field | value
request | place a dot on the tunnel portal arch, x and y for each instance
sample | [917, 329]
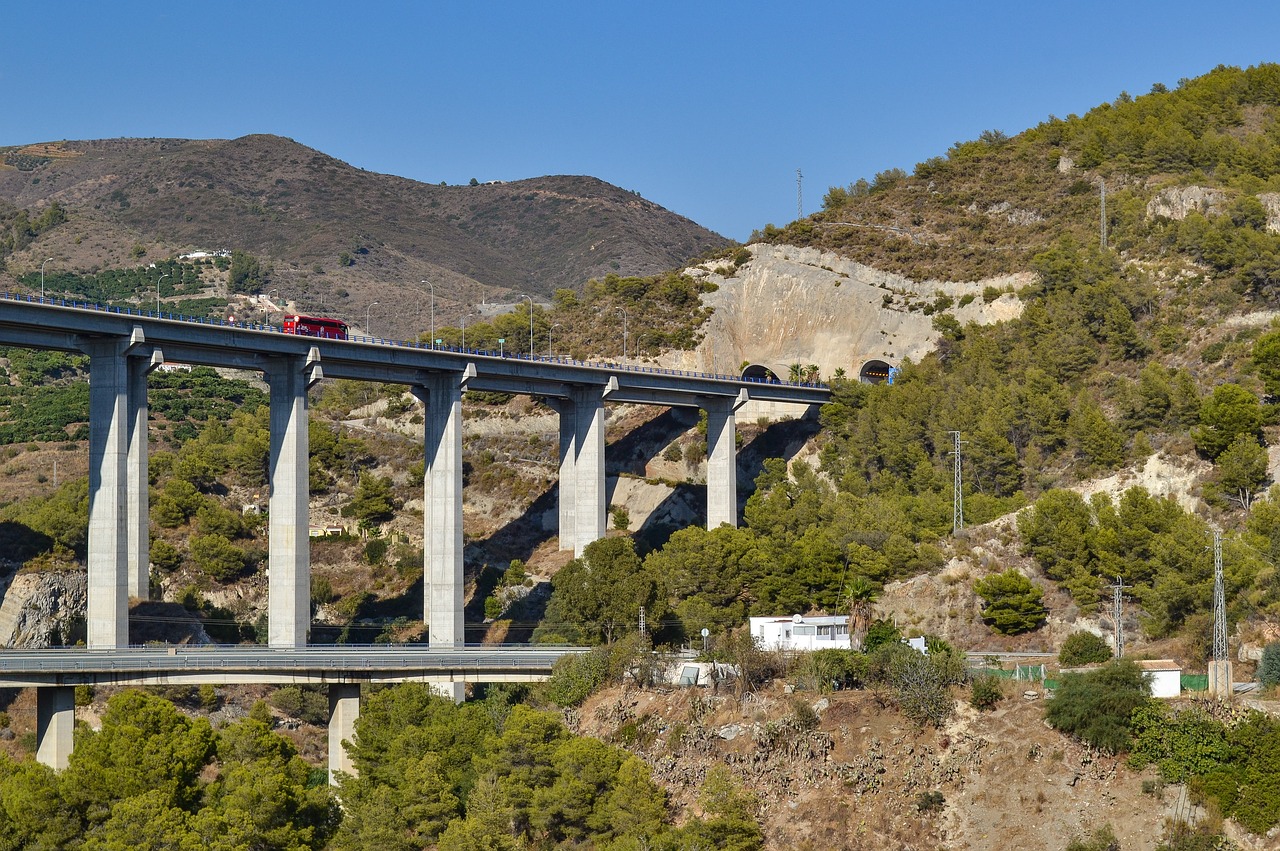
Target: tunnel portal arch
[760, 372]
[877, 372]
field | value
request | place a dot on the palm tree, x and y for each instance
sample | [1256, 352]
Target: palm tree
[794, 372]
[863, 594]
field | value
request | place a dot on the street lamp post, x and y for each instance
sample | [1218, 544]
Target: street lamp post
[366, 317]
[623, 311]
[550, 352]
[433, 311]
[523, 295]
[48, 260]
[158, 280]
[465, 317]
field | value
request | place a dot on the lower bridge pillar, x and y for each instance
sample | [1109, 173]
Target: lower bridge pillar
[344, 709]
[55, 725]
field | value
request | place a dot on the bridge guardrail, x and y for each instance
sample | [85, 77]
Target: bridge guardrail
[254, 326]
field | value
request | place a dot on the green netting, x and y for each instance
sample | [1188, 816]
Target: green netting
[1021, 672]
[1195, 682]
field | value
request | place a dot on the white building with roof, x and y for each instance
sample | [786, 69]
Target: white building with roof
[801, 632]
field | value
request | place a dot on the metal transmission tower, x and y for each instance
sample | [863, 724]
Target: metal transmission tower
[957, 501]
[1219, 602]
[1117, 614]
[799, 195]
[1220, 683]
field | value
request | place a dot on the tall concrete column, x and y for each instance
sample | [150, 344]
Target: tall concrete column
[55, 724]
[108, 563]
[589, 491]
[344, 709]
[441, 393]
[289, 548]
[566, 492]
[722, 465]
[139, 510]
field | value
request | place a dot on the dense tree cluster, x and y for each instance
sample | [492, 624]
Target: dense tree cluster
[1236, 764]
[151, 773]
[491, 775]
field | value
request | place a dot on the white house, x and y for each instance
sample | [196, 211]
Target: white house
[818, 632]
[1164, 675]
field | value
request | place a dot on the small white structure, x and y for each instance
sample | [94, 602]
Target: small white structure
[819, 632]
[1164, 676]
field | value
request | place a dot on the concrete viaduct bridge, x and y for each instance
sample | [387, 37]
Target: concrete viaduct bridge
[125, 344]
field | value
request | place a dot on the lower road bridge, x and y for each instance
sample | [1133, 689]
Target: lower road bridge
[55, 673]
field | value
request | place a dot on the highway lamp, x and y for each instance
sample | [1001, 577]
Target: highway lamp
[550, 353]
[158, 280]
[47, 260]
[433, 308]
[522, 295]
[367, 308]
[465, 317]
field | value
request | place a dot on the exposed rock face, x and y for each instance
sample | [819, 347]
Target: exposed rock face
[43, 609]
[1177, 201]
[1271, 201]
[802, 305]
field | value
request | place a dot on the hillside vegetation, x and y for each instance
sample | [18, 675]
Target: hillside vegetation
[1158, 343]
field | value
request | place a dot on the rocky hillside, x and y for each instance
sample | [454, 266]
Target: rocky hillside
[336, 236]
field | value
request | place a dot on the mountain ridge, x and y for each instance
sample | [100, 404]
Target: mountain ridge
[329, 228]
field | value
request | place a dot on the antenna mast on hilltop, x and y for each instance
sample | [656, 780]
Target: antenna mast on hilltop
[799, 195]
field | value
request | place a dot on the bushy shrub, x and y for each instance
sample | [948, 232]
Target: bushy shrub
[986, 691]
[1095, 706]
[1269, 668]
[1083, 648]
[575, 677]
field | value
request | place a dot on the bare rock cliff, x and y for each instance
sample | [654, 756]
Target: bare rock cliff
[801, 305]
[43, 609]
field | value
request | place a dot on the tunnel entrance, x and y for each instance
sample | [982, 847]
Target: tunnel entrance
[756, 372]
[877, 372]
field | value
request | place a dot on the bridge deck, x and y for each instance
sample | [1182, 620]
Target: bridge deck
[222, 665]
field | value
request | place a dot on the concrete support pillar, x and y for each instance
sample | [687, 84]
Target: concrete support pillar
[289, 549]
[441, 393]
[1220, 685]
[344, 709]
[722, 465]
[55, 724]
[590, 496]
[108, 563]
[139, 509]
[566, 493]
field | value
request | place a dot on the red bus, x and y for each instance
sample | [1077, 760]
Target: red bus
[316, 326]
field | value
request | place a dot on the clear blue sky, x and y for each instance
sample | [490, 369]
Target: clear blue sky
[705, 108]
